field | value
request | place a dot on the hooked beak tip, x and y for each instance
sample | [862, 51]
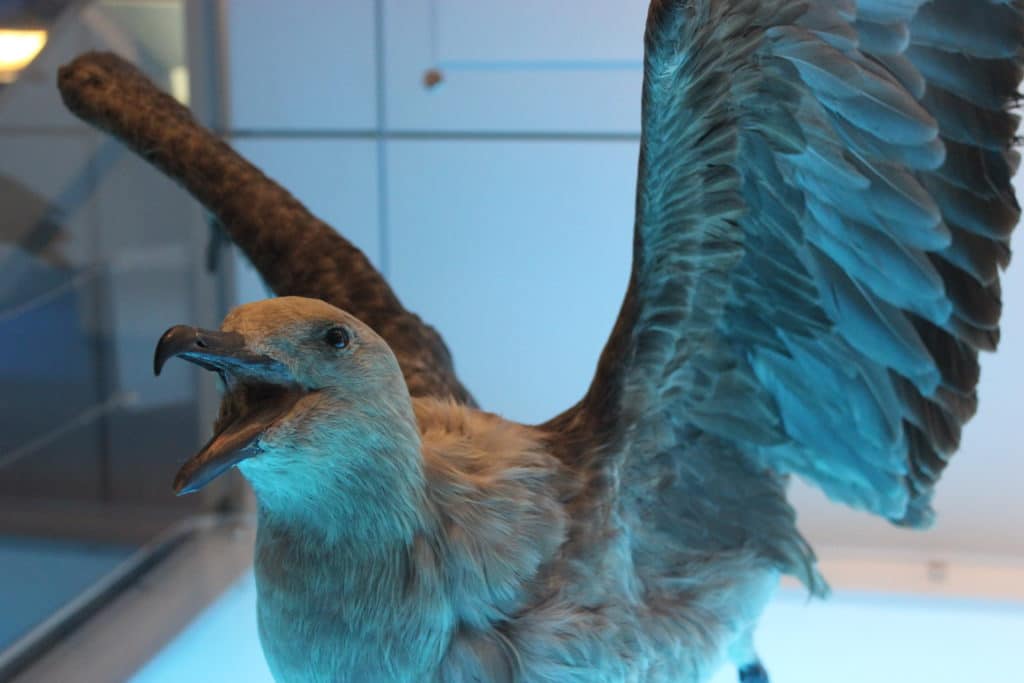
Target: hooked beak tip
[173, 342]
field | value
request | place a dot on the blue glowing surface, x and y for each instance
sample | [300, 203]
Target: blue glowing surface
[852, 638]
[220, 645]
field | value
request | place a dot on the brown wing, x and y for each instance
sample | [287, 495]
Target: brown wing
[824, 204]
[295, 252]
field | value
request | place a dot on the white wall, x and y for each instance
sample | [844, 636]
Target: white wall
[500, 204]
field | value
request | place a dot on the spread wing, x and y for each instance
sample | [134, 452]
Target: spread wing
[295, 252]
[824, 206]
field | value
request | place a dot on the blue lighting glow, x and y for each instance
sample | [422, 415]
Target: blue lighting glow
[220, 645]
[851, 638]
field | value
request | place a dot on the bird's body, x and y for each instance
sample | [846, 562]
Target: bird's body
[412, 539]
[823, 209]
[506, 575]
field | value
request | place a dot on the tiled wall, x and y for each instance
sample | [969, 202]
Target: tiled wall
[500, 203]
[501, 212]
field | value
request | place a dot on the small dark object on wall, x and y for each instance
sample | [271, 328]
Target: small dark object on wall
[432, 78]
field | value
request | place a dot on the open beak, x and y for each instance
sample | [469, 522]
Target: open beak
[223, 352]
[272, 397]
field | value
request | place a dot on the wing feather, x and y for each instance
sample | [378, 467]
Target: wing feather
[295, 252]
[823, 209]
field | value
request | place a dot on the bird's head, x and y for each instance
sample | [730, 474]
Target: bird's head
[309, 390]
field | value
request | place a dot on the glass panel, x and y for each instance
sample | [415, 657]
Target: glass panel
[97, 258]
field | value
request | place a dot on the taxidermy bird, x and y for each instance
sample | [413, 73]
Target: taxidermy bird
[824, 205]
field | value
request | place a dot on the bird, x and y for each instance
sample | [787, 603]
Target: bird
[823, 211]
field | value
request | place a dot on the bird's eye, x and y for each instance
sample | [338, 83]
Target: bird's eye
[337, 337]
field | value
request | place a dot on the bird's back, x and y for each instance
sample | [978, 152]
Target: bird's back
[570, 572]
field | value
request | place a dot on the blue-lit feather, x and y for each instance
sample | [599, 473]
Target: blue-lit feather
[847, 272]
[883, 39]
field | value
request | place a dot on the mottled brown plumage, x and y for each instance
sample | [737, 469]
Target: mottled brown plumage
[823, 209]
[296, 253]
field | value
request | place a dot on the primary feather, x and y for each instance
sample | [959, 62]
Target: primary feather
[823, 209]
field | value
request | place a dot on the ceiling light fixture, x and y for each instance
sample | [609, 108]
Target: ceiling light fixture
[18, 47]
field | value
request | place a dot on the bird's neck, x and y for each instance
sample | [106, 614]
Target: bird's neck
[391, 514]
[359, 481]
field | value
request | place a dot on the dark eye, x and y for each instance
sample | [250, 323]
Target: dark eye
[337, 337]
